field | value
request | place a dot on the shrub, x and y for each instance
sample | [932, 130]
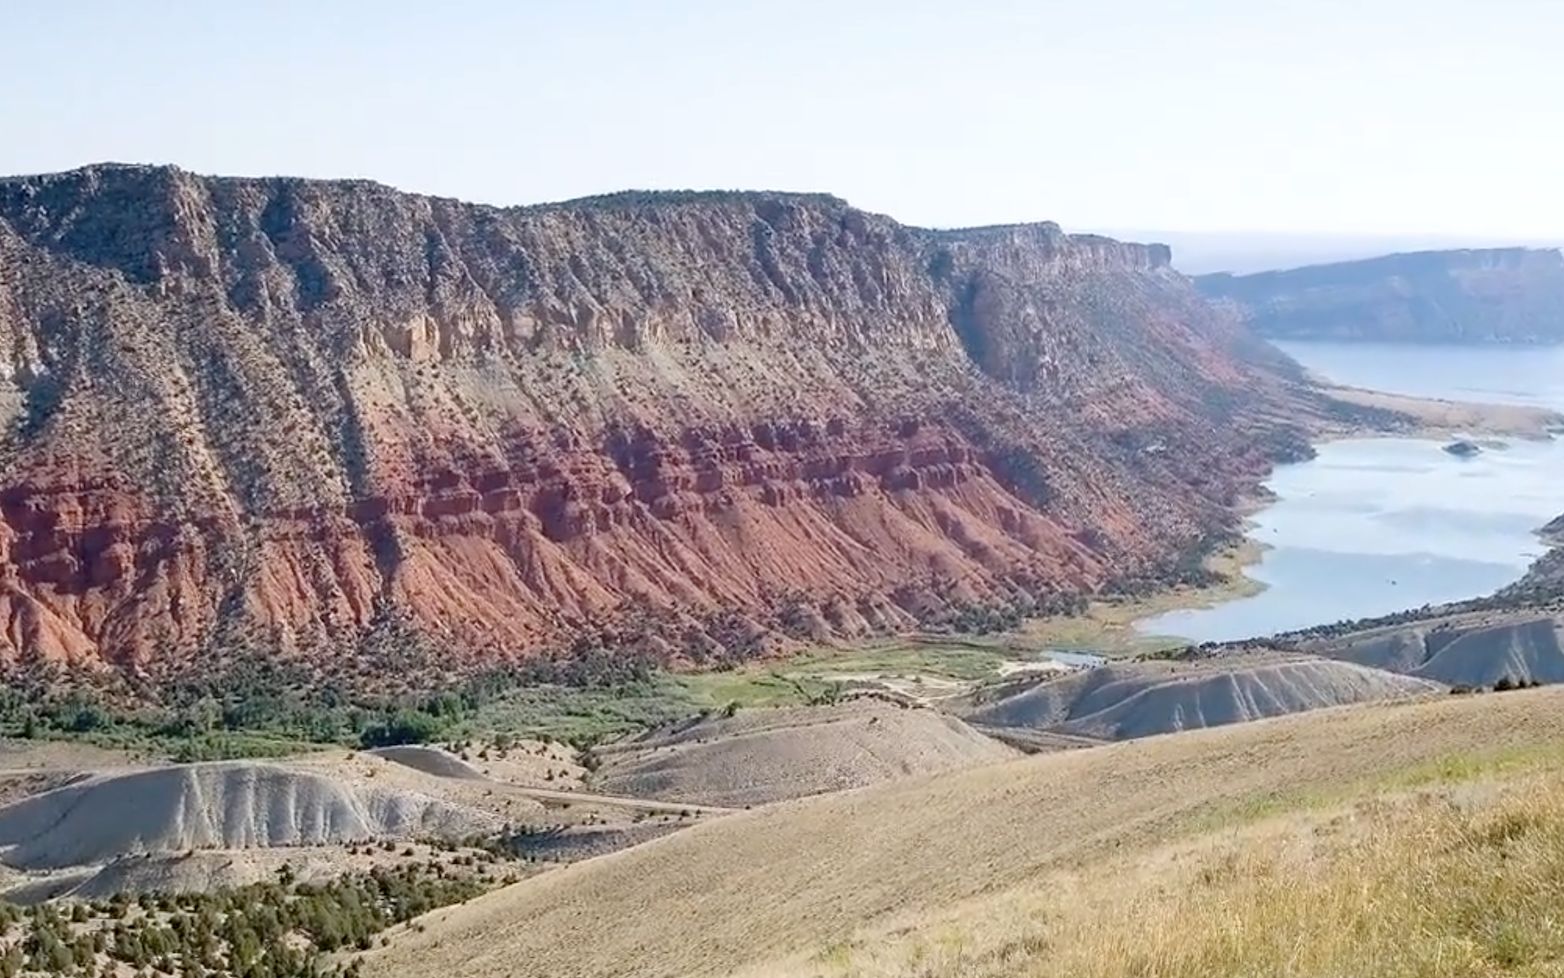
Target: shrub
[403, 727]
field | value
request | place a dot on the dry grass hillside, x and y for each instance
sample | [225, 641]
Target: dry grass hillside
[759, 756]
[802, 881]
[1451, 880]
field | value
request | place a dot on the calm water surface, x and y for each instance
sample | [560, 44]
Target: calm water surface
[1377, 525]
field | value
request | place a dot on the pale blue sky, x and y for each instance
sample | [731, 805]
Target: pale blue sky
[1374, 116]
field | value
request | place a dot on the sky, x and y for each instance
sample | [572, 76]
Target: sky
[1375, 117]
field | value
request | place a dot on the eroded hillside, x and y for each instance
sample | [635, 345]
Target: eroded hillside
[274, 413]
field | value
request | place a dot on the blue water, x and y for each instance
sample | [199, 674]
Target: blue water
[1076, 658]
[1377, 525]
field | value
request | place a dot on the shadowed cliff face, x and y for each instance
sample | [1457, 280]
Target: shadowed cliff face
[275, 412]
[1499, 294]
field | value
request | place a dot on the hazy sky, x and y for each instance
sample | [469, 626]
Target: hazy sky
[1374, 116]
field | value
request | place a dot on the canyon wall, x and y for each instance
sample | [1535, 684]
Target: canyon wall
[279, 414]
[1513, 295]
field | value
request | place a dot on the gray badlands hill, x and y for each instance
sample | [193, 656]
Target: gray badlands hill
[1138, 699]
[230, 805]
[1495, 294]
[243, 414]
[764, 755]
[431, 761]
[1468, 651]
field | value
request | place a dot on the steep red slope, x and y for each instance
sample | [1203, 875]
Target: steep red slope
[277, 412]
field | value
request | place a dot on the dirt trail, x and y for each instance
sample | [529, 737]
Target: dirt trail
[547, 796]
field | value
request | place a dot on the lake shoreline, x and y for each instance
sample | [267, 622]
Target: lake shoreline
[1110, 625]
[1438, 419]
[1402, 516]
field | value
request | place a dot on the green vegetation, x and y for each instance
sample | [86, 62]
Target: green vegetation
[76, 712]
[583, 715]
[260, 709]
[266, 930]
[952, 658]
[592, 714]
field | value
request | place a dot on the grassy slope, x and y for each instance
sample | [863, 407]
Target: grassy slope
[802, 878]
[1460, 879]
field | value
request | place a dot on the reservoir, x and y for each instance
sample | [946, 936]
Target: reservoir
[1376, 525]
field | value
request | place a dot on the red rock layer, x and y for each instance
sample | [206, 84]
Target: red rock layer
[285, 410]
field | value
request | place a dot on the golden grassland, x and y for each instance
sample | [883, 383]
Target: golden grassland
[1197, 851]
[1458, 879]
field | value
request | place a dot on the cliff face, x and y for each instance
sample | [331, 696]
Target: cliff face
[277, 412]
[1493, 295]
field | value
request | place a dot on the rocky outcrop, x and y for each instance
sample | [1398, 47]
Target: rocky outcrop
[1511, 295]
[279, 413]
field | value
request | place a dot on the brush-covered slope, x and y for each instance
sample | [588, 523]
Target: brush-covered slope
[230, 805]
[1497, 294]
[275, 412]
[759, 756]
[1138, 699]
[803, 877]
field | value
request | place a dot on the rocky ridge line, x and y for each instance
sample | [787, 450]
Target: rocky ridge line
[277, 414]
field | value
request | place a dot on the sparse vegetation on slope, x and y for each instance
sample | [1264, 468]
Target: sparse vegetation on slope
[1454, 880]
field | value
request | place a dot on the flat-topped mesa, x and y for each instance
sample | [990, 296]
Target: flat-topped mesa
[1484, 295]
[1047, 239]
[276, 412]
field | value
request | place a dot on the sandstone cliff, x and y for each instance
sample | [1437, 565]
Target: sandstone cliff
[1491, 295]
[277, 414]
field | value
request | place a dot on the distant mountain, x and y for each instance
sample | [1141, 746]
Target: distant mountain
[1506, 295]
[1247, 252]
[288, 414]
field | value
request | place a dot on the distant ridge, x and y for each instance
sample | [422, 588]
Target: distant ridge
[1500, 295]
